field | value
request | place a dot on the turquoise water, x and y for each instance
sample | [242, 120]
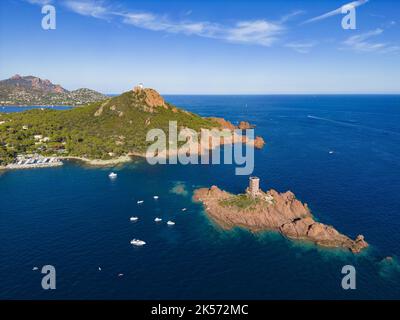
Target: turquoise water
[77, 219]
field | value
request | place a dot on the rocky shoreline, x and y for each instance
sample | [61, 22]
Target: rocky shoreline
[272, 211]
[100, 162]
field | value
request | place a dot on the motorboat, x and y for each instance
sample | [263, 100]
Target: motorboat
[137, 242]
[112, 175]
[170, 223]
[157, 219]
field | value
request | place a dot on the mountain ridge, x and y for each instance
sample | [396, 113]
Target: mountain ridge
[30, 90]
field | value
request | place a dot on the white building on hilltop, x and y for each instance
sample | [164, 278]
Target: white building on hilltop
[139, 87]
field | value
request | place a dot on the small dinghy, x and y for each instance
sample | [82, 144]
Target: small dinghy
[331, 152]
[139, 201]
[170, 223]
[184, 209]
[157, 219]
[137, 242]
[155, 197]
[35, 268]
[134, 218]
[112, 175]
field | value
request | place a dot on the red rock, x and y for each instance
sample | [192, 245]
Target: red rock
[225, 124]
[243, 125]
[259, 142]
[285, 213]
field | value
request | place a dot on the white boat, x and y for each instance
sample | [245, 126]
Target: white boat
[170, 223]
[139, 201]
[330, 152]
[157, 219]
[134, 218]
[155, 197]
[137, 242]
[184, 209]
[112, 175]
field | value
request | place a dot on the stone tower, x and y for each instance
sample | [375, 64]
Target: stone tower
[254, 186]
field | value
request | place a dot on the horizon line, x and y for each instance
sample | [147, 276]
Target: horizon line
[270, 94]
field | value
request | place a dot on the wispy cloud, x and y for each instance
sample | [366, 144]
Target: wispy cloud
[291, 15]
[90, 8]
[39, 2]
[362, 43]
[337, 11]
[258, 32]
[301, 47]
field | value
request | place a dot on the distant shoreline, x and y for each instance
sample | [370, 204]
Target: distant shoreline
[39, 106]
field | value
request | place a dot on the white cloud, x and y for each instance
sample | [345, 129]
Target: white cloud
[39, 2]
[258, 32]
[158, 23]
[301, 47]
[337, 11]
[291, 15]
[92, 8]
[253, 32]
[362, 43]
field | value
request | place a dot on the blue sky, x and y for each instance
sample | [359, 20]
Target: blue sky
[200, 47]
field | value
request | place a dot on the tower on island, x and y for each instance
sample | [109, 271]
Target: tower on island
[254, 186]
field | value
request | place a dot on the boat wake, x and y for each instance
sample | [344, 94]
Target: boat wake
[354, 124]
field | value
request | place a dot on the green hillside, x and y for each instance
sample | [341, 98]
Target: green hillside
[100, 130]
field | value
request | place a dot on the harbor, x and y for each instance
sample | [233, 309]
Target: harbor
[35, 161]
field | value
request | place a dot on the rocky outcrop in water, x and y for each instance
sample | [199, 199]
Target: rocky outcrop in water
[273, 211]
[244, 125]
[259, 142]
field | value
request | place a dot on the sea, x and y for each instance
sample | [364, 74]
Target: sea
[338, 153]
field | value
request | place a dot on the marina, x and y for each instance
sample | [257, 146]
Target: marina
[36, 161]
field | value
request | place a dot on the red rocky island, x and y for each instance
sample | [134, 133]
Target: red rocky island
[257, 210]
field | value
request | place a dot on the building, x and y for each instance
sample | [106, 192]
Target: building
[254, 186]
[139, 87]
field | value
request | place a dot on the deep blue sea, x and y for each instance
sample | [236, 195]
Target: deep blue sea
[76, 219]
